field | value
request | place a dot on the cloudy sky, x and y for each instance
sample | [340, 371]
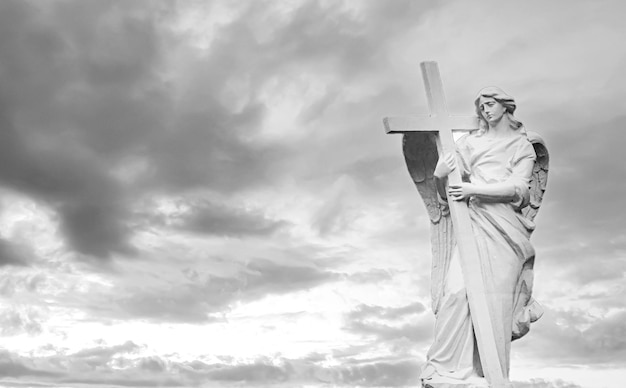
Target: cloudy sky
[201, 193]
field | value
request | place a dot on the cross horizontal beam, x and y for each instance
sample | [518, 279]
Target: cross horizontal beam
[429, 123]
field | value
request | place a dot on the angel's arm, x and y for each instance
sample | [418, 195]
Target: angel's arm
[515, 189]
[441, 184]
[503, 192]
[499, 192]
[446, 164]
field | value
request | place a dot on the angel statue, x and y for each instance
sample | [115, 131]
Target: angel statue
[504, 174]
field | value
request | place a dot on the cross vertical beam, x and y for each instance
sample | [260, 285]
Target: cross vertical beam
[442, 122]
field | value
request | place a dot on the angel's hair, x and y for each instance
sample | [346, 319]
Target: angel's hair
[507, 101]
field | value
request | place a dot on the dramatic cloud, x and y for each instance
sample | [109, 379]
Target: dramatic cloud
[10, 254]
[112, 365]
[387, 325]
[92, 119]
[575, 338]
[206, 294]
[53, 73]
[202, 194]
[220, 220]
[12, 367]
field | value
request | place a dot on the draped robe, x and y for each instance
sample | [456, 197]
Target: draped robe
[502, 235]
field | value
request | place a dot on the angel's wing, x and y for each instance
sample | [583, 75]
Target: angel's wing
[421, 156]
[539, 179]
[526, 309]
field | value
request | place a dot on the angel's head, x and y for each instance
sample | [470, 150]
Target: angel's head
[503, 105]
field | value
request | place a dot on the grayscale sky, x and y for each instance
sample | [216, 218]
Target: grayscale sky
[201, 193]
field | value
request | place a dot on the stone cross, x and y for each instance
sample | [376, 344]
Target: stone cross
[440, 121]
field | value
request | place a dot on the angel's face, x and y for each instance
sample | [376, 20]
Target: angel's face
[491, 109]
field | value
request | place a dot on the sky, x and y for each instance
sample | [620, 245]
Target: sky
[201, 193]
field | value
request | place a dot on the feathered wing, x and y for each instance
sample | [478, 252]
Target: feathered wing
[527, 309]
[539, 179]
[421, 156]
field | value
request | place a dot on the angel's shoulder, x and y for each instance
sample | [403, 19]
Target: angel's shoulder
[525, 146]
[466, 139]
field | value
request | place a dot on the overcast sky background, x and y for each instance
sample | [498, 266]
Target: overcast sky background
[201, 193]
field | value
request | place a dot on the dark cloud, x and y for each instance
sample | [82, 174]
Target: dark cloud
[207, 294]
[116, 368]
[206, 217]
[260, 372]
[15, 366]
[87, 97]
[152, 364]
[575, 338]
[208, 150]
[267, 277]
[103, 365]
[97, 366]
[388, 324]
[86, 196]
[580, 230]
[582, 200]
[344, 48]
[53, 69]
[180, 303]
[335, 37]
[376, 172]
[12, 254]
[382, 373]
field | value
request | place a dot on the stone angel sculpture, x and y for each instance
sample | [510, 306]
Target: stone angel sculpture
[504, 170]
